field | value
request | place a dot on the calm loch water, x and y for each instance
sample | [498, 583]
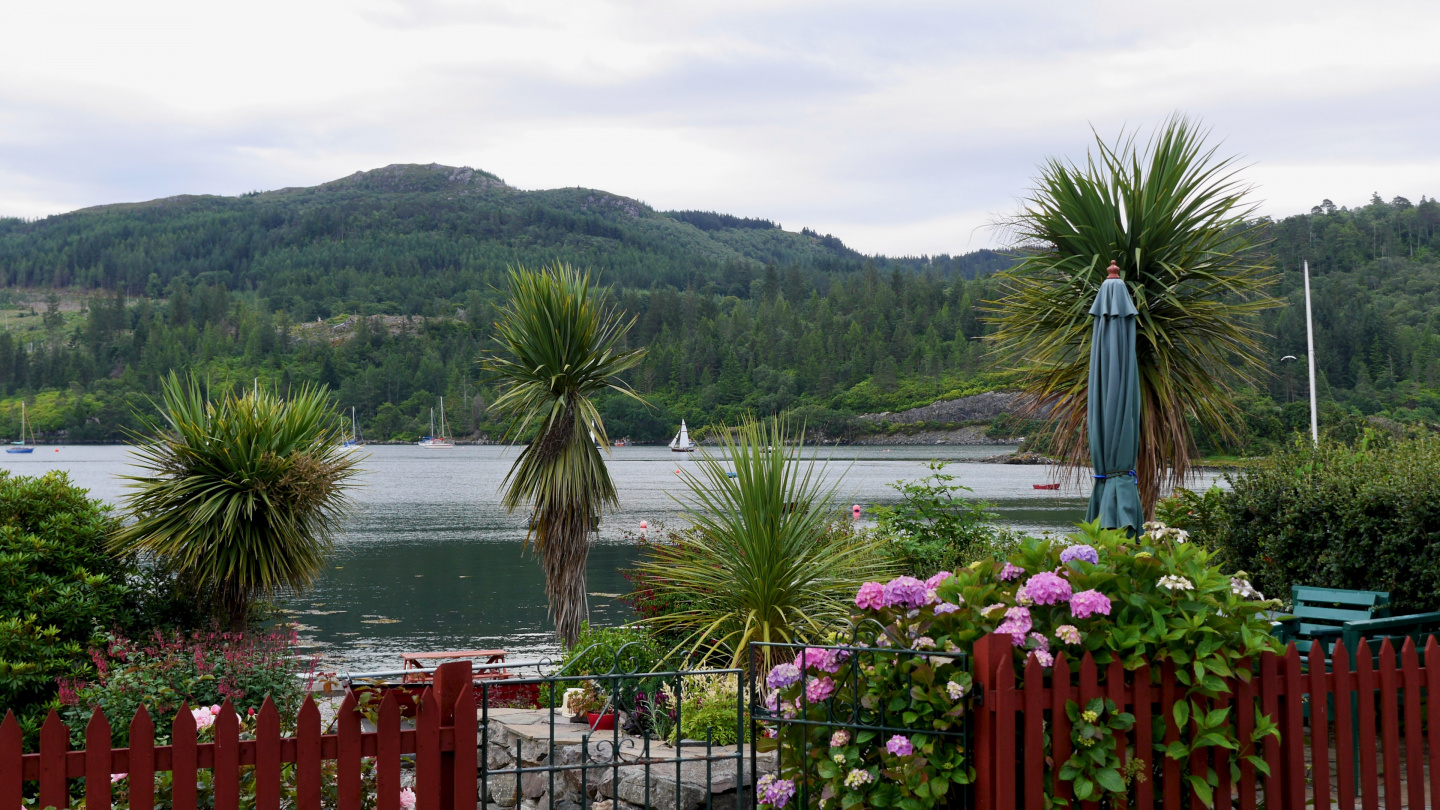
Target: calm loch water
[431, 561]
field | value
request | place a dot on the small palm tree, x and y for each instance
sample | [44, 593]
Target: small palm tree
[245, 492]
[1176, 220]
[561, 346]
[766, 560]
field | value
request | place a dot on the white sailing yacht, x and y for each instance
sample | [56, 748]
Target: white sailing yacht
[22, 446]
[681, 443]
[354, 442]
[441, 440]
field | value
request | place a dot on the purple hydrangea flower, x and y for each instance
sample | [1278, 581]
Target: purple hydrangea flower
[1089, 603]
[941, 576]
[945, 607]
[1010, 572]
[818, 689]
[906, 592]
[782, 675]
[1045, 588]
[1080, 552]
[821, 659]
[1016, 625]
[1046, 659]
[775, 791]
[900, 746]
[1041, 642]
[871, 596]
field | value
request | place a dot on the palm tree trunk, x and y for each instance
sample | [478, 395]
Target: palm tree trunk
[564, 551]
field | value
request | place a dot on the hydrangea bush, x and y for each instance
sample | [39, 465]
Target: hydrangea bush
[1139, 601]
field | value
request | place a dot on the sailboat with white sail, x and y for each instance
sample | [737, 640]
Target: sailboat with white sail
[24, 445]
[681, 443]
[441, 440]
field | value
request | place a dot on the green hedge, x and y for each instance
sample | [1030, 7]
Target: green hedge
[1363, 516]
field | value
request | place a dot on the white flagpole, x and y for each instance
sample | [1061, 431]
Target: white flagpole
[1310, 358]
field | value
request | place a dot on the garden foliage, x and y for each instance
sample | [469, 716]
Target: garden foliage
[934, 527]
[1141, 601]
[1364, 516]
[199, 668]
[60, 590]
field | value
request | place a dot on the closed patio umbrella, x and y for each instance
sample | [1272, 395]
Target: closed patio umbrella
[1113, 408]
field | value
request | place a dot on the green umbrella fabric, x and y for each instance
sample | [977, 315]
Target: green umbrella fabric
[1113, 409]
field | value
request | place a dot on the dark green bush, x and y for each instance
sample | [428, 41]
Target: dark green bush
[1364, 516]
[60, 590]
[934, 527]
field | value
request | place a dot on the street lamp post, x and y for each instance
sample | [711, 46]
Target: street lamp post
[1310, 358]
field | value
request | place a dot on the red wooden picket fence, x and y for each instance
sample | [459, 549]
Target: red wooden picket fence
[1314, 764]
[443, 741]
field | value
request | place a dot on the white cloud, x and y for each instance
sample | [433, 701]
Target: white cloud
[900, 127]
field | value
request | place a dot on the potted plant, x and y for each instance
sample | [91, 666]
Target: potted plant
[599, 714]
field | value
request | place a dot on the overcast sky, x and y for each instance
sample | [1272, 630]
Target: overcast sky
[901, 127]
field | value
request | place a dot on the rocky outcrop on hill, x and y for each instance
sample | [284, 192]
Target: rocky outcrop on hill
[964, 409]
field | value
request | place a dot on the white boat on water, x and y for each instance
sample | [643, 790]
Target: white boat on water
[24, 445]
[441, 440]
[354, 442]
[681, 443]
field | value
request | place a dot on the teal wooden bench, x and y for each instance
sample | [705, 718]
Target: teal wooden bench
[1327, 615]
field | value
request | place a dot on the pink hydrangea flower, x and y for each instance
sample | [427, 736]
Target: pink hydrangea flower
[1041, 642]
[871, 596]
[1046, 659]
[1010, 572]
[934, 581]
[840, 739]
[945, 607]
[1045, 588]
[818, 689]
[900, 746]
[1088, 603]
[1068, 633]
[1016, 625]
[906, 592]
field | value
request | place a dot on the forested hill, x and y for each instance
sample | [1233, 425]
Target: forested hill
[401, 268]
[411, 240]
[383, 286]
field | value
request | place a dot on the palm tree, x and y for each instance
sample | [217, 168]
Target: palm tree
[245, 492]
[1176, 221]
[766, 560]
[561, 346]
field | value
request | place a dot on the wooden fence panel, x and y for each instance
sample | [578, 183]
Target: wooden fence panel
[1365, 687]
[1432, 681]
[1414, 761]
[445, 743]
[1345, 739]
[1245, 727]
[1144, 751]
[1390, 724]
[142, 761]
[1035, 735]
[1060, 695]
[1319, 725]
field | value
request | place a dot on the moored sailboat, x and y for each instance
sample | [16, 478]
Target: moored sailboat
[681, 443]
[24, 445]
[441, 440]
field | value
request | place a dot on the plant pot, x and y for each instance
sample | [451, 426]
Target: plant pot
[600, 722]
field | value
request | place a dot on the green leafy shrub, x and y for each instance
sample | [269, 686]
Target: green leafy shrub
[60, 589]
[200, 668]
[934, 527]
[709, 709]
[1141, 601]
[609, 650]
[1363, 516]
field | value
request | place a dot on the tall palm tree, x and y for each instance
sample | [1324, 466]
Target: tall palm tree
[244, 494]
[1176, 220]
[766, 560]
[560, 347]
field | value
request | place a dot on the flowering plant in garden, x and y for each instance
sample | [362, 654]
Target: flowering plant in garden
[1095, 765]
[1140, 601]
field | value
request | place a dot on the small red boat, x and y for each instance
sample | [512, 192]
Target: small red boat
[1046, 486]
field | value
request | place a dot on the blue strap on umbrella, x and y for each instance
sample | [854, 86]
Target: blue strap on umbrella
[1117, 473]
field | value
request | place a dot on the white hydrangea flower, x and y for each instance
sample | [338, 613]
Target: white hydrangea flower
[1175, 583]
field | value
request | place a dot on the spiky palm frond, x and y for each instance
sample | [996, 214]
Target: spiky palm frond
[560, 347]
[1176, 220]
[245, 493]
[764, 561]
